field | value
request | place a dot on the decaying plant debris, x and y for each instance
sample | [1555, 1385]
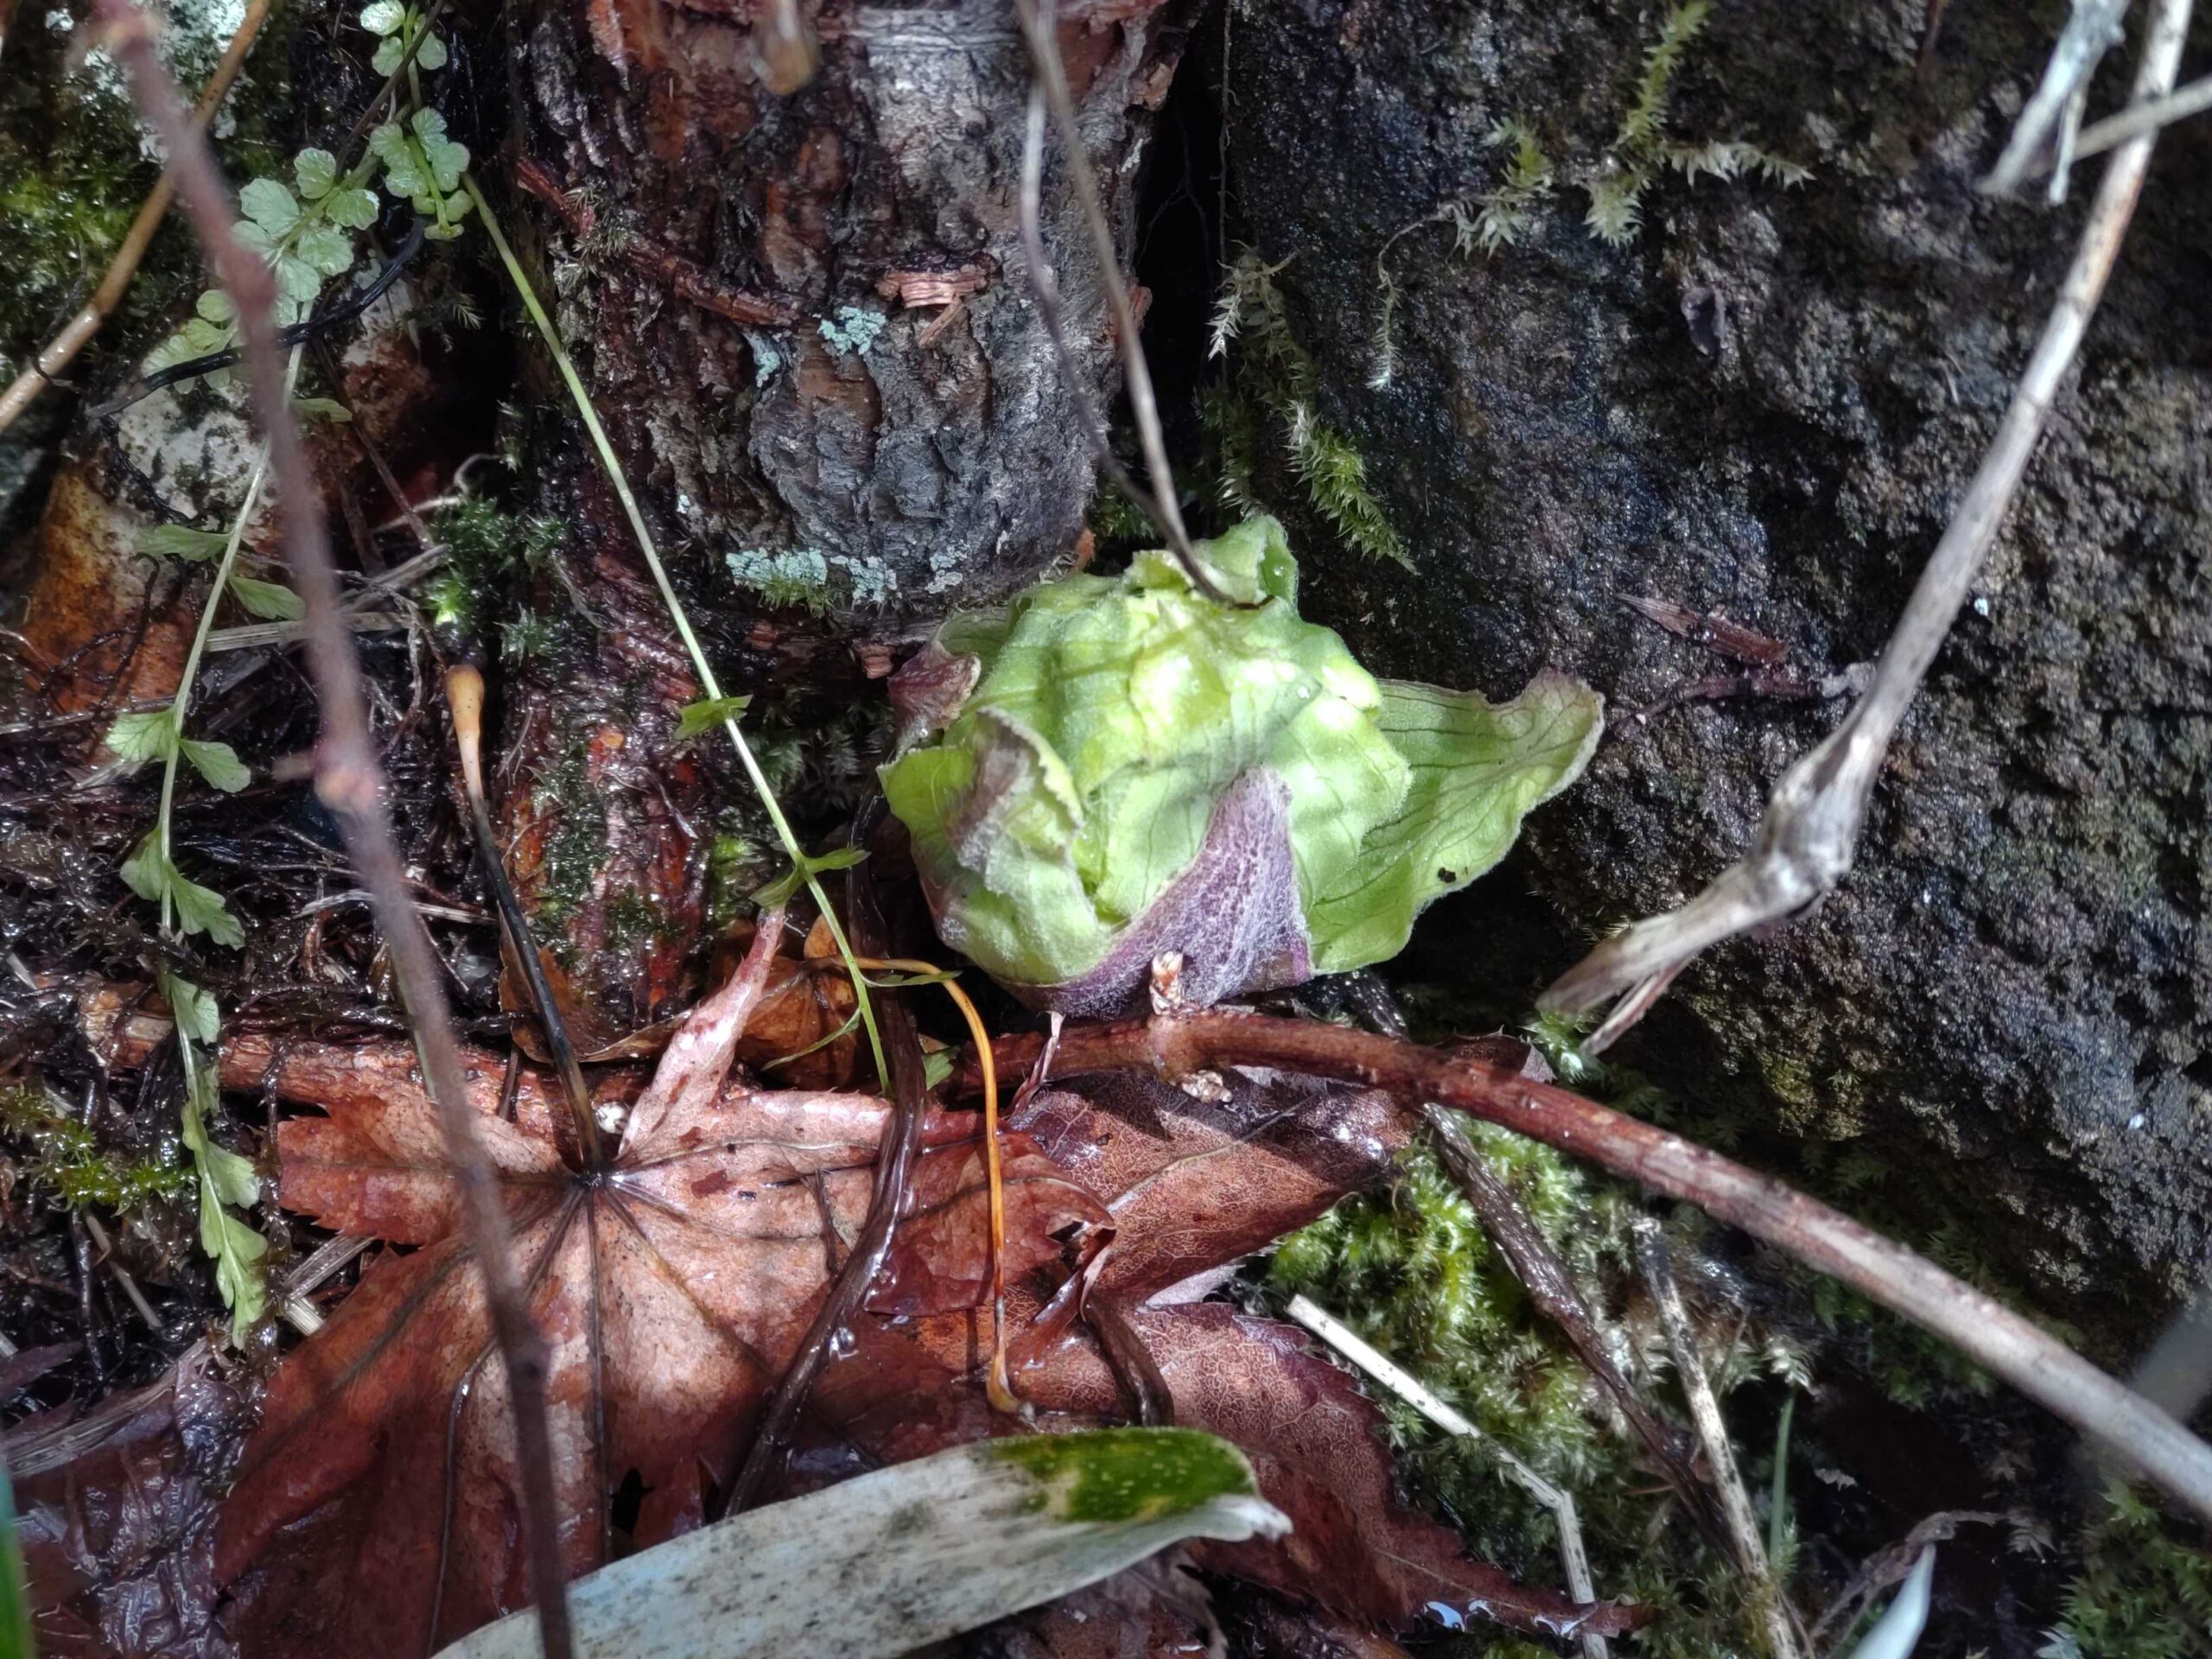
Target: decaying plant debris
[477, 1101]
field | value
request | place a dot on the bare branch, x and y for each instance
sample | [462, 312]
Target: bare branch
[2052, 117]
[2133, 1430]
[350, 783]
[1809, 837]
[2143, 119]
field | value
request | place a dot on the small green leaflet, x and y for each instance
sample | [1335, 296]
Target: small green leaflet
[784, 887]
[384, 16]
[322, 408]
[424, 167]
[156, 879]
[181, 541]
[218, 763]
[227, 1179]
[272, 601]
[137, 739]
[705, 716]
[192, 1007]
[315, 171]
[270, 205]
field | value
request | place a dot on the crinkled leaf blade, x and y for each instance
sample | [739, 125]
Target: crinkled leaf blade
[1479, 768]
[911, 1554]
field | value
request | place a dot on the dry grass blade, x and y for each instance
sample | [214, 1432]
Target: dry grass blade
[78, 333]
[1575, 1559]
[1809, 837]
[1767, 1607]
[351, 784]
[2131, 1429]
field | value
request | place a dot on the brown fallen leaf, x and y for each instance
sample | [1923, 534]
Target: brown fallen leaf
[376, 1510]
[116, 1516]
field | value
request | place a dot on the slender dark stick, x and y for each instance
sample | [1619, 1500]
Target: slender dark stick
[894, 1168]
[1038, 29]
[350, 783]
[2134, 1431]
[465, 702]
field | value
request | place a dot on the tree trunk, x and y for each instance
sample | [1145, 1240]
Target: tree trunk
[803, 319]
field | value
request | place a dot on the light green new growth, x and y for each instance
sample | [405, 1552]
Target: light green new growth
[305, 230]
[1505, 214]
[399, 25]
[709, 684]
[158, 735]
[1287, 384]
[1112, 716]
[1641, 146]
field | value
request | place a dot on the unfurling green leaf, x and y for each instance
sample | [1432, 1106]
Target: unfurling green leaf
[272, 601]
[785, 886]
[1135, 760]
[218, 763]
[181, 541]
[136, 738]
[322, 408]
[706, 714]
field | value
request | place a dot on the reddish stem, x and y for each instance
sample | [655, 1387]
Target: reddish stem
[2132, 1429]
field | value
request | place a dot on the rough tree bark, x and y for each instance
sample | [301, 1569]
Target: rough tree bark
[756, 286]
[1766, 403]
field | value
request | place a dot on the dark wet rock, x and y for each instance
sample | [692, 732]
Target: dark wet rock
[1766, 403]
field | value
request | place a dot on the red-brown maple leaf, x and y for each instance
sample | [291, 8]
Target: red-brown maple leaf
[377, 1507]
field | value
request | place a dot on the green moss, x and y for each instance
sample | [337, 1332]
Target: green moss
[1127, 1474]
[576, 846]
[67, 1161]
[2143, 1591]
[492, 556]
[1277, 375]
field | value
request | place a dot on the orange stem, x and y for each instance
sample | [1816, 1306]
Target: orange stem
[997, 1383]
